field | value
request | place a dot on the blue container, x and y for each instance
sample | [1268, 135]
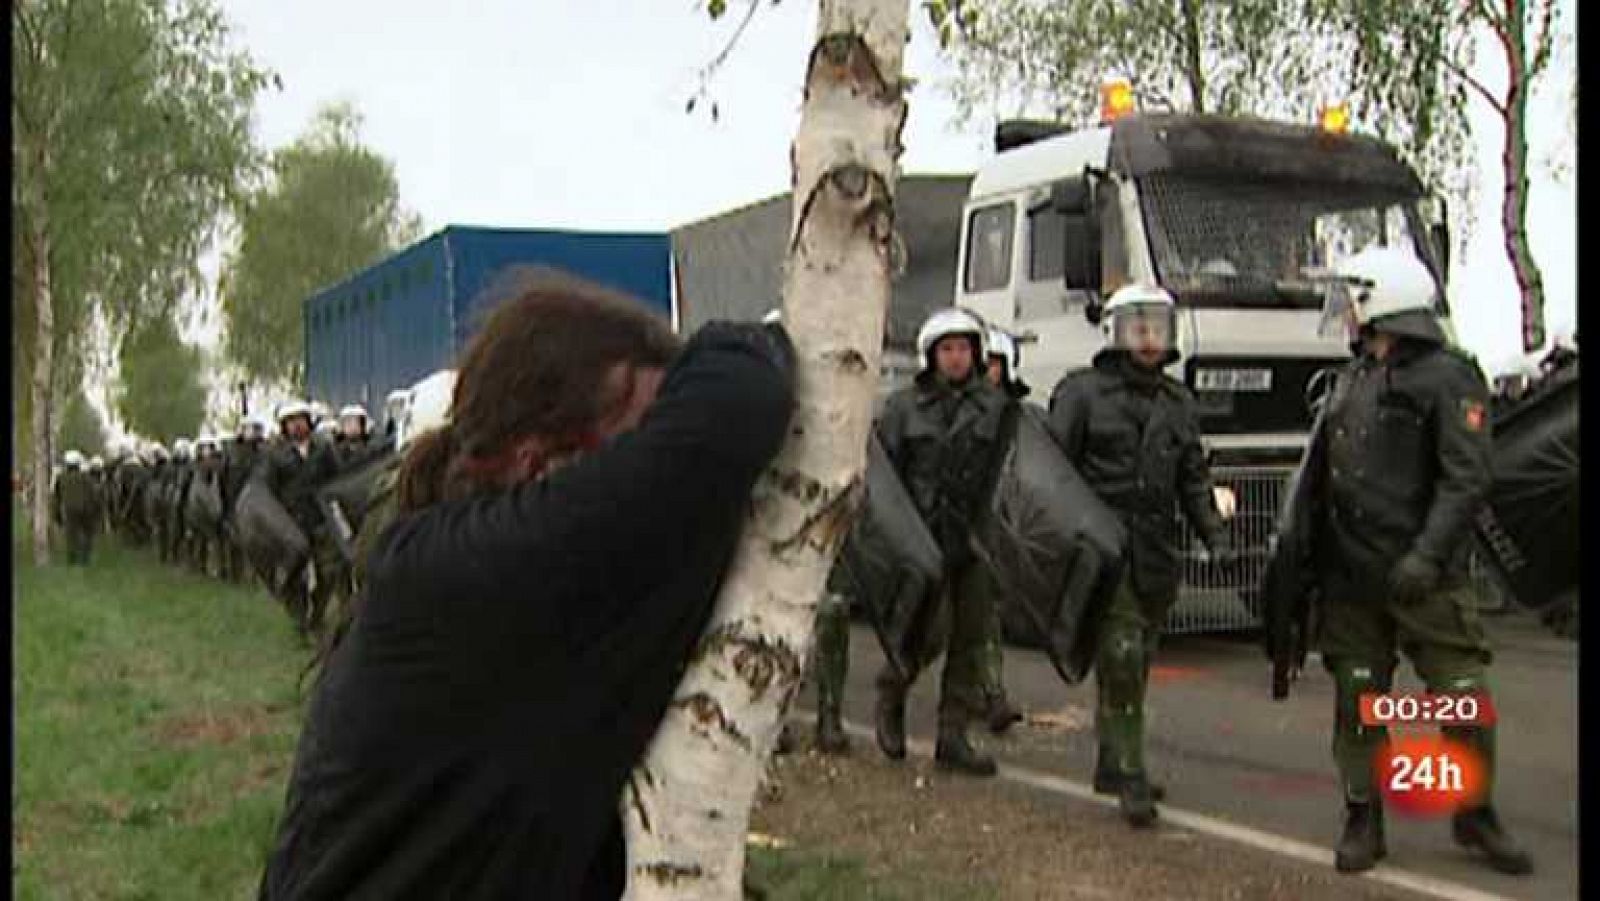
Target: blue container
[395, 322]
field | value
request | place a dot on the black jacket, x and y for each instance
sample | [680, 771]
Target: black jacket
[77, 498]
[946, 442]
[516, 651]
[1135, 438]
[1407, 461]
[294, 478]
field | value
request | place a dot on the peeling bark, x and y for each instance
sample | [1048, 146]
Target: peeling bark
[687, 813]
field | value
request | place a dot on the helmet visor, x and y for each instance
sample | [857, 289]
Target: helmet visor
[1144, 327]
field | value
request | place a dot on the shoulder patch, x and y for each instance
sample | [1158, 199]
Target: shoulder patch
[1473, 414]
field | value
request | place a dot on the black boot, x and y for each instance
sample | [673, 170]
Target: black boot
[1001, 713]
[955, 752]
[1362, 845]
[1480, 828]
[831, 738]
[1136, 797]
[891, 723]
[1108, 781]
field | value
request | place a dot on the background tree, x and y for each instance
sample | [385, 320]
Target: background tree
[162, 395]
[687, 808]
[1271, 58]
[1436, 40]
[332, 208]
[130, 136]
[81, 426]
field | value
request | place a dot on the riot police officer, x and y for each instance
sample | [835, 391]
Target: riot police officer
[204, 535]
[1001, 368]
[292, 470]
[1405, 471]
[1132, 432]
[239, 461]
[76, 506]
[352, 442]
[944, 434]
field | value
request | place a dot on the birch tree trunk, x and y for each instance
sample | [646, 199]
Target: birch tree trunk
[687, 806]
[1514, 167]
[43, 362]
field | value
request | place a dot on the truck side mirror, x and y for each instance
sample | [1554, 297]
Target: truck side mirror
[1073, 196]
[1076, 201]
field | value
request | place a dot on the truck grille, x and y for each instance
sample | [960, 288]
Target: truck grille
[1208, 600]
[1282, 408]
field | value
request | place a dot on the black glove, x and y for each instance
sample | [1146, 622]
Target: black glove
[1412, 578]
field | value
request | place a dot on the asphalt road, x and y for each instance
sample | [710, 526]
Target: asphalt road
[1226, 750]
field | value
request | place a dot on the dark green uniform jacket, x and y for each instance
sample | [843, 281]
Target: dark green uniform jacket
[1135, 438]
[1408, 460]
[945, 441]
[77, 499]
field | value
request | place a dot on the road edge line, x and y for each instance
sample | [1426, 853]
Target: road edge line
[1218, 828]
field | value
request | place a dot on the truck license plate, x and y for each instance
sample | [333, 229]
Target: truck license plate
[1233, 380]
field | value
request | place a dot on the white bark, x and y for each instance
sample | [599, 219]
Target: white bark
[688, 804]
[43, 365]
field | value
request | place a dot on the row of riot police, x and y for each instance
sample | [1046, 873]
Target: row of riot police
[1404, 467]
[195, 506]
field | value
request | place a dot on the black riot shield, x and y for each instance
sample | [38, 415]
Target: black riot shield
[1054, 549]
[890, 562]
[203, 510]
[1529, 527]
[344, 500]
[269, 536]
[1289, 582]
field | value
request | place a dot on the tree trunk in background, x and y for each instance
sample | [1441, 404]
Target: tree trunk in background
[687, 807]
[1191, 56]
[1514, 167]
[43, 337]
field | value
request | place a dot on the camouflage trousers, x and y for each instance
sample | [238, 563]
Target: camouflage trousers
[1361, 633]
[960, 628]
[1129, 638]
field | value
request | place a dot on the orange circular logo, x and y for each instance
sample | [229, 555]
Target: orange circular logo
[1428, 776]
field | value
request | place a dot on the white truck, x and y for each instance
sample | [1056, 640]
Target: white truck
[1240, 220]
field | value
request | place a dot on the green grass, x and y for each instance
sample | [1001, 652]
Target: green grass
[156, 719]
[156, 715]
[801, 875]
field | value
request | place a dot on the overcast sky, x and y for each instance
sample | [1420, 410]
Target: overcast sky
[546, 113]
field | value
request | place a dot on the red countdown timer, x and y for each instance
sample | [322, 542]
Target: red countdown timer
[1469, 709]
[1429, 776]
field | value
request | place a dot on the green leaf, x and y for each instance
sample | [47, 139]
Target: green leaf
[716, 8]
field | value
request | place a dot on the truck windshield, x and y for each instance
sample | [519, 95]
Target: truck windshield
[1229, 243]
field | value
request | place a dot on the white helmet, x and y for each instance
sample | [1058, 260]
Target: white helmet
[952, 321]
[326, 427]
[1387, 281]
[1139, 303]
[353, 411]
[73, 459]
[182, 448]
[319, 411]
[96, 463]
[156, 451]
[1004, 346]
[292, 408]
[428, 408]
[206, 439]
